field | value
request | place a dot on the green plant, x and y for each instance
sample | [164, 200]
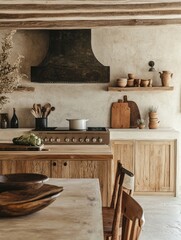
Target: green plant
[140, 121]
[10, 75]
[153, 109]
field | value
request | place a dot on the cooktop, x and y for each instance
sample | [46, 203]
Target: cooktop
[67, 129]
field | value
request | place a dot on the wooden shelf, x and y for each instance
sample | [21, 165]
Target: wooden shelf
[156, 88]
[25, 88]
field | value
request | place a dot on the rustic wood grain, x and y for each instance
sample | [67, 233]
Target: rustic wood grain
[152, 162]
[28, 195]
[65, 162]
[87, 14]
[119, 89]
[120, 115]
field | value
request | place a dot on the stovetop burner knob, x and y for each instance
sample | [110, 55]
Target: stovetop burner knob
[81, 140]
[58, 140]
[52, 139]
[74, 140]
[46, 139]
[87, 140]
[67, 140]
[94, 140]
[100, 140]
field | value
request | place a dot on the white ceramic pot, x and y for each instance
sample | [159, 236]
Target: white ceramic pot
[77, 124]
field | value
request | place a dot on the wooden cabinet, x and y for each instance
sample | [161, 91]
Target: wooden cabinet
[25, 166]
[85, 169]
[153, 163]
[66, 169]
[124, 151]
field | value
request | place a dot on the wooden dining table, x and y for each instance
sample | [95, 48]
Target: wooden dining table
[75, 215]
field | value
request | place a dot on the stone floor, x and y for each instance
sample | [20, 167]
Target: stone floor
[162, 217]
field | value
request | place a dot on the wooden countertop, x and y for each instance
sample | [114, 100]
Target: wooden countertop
[75, 214]
[88, 152]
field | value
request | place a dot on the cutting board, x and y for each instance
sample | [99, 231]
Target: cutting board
[120, 115]
[13, 147]
[135, 113]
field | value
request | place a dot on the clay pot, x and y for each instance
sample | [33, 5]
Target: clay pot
[141, 126]
[153, 125]
[153, 115]
[130, 83]
[144, 82]
[131, 76]
[122, 82]
[165, 78]
[137, 82]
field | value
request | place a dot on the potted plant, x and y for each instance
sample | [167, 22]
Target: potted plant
[153, 112]
[141, 123]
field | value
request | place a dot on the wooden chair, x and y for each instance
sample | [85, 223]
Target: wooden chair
[123, 178]
[109, 213]
[130, 214]
[132, 218]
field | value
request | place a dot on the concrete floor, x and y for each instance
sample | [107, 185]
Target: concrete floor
[162, 217]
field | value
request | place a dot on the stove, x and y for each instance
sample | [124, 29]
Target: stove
[58, 136]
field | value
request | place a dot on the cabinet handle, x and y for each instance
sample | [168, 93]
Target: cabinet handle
[54, 164]
[65, 164]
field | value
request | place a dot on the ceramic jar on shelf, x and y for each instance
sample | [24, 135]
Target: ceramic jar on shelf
[153, 120]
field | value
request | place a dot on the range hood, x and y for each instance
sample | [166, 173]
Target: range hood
[70, 59]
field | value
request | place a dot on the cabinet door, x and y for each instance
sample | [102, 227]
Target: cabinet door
[86, 169]
[123, 151]
[25, 166]
[155, 166]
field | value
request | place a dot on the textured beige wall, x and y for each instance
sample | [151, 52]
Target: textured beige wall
[124, 49]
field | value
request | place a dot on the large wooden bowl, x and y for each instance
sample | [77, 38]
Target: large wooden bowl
[16, 203]
[25, 208]
[22, 181]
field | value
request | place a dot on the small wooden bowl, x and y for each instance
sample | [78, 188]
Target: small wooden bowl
[22, 181]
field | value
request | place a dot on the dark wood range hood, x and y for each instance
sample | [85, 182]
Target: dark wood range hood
[84, 14]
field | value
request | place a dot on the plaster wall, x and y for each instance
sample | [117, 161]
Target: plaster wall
[125, 50]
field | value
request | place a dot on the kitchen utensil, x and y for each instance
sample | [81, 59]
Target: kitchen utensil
[39, 110]
[120, 115]
[77, 124]
[13, 147]
[36, 110]
[47, 111]
[34, 113]
[134, 110]
[41, 123]
[22, 181]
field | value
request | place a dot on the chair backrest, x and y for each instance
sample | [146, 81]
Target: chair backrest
[123, 178]
[132, 218]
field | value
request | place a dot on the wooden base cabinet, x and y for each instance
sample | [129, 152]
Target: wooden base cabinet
[153, 163]
[86, 169]
[25, 166]
[66, 169]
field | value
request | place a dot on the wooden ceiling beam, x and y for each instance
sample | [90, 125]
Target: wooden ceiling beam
[73, 14]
